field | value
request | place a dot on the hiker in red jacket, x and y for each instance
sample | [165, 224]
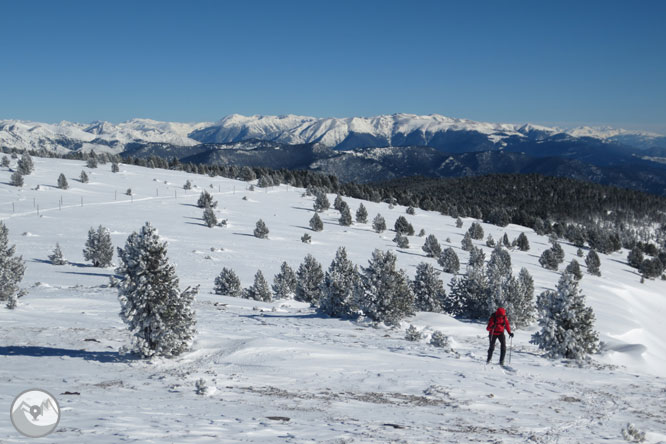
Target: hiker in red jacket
[496, 325]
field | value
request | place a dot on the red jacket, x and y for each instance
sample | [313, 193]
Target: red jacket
[498, 322]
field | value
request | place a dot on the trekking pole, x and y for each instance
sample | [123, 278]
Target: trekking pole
[510, 347]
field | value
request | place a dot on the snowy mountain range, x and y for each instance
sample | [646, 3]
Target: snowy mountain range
[437, 131]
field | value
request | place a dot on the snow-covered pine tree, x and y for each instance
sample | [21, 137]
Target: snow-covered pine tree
[83, 177]
[316, 223]
[476, 257]
[567, 324]
[16, 179]
[490, 242]
[209, 217]
[259, 291]
[361, 214]
[593, 263]
[574, 269]
[579, 253]
[228, 284]
[284, 283]
[421, 232]
[91, 162]
[523, 304]
[410, 210]
[345, 215]
[261, 230]
[62, 182]
[25, 166]
[402, 226]
[548, 260]
[412, 334]
[206, 200]
[5, 162]
[468, 296]
[651, 268]
[505, 241]
[635, 257]
[115, 167]
[522, 242]
[401, 241]
[466, 243]
[428, 289]
[157, 313]
[12, 269]
[459, 223]
[449, 261]
[500, 260]
[475, 231]
[337, 203]
[321, 202]
[309, 280]
[99, 249]
[306, 238]
[557, 251]
[379, 223]
[385, 294]
[432, 247]
[188, 185]
[57, 257]
[341, 283]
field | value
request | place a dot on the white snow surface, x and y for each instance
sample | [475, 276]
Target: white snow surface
[279, 372]
[291, 129]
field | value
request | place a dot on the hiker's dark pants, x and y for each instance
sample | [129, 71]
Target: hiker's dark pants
[491, 349]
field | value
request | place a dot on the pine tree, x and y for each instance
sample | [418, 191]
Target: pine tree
[593, 263]
[402, 226]
[505, 241]
[466, 243]
[209, 217]
[5, 162]
[341, 283]
[83, 177]
[410, 210]
[337, 203]
[651, 268]
[635, 257]
[476, 257]
[228, 284]
[115, 167]
[548, 260]
[206, 200]
[558, 252]
[309, 280]
[12, 269]
[25, 166]
[157, 313]
[574, 269]
[345, 215]
[261, 230]
[459, 223]
[401, 241]
[579, 253]
[490, 242]
[99, 249]
[259, 291]
[306, 238]
[321, 202]
[361, 214]
[567, 324]
[412, 334]
[475, 231]
[284, 283]
[432, 247]
[57, 257]
[92, 162]
[379, 223]
[523, 307]
[316, 223]
[188, 185]
[428, 289]
[62, 182]
[16, 179]
[449, 261]
[468, 296]
[385, 294]
[522, 242]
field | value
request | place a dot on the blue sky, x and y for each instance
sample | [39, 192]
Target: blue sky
[564, 63]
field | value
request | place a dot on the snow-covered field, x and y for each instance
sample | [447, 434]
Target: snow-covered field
[279, 372]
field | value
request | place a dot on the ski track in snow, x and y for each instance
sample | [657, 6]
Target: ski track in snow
[279, 372]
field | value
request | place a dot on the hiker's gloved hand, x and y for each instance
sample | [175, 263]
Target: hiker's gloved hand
[511, 334]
